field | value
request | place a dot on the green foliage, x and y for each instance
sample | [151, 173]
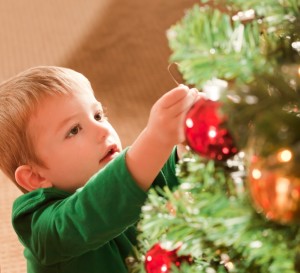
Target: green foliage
[208, 43]
[265, 109]
[210, 219]
[209, 214]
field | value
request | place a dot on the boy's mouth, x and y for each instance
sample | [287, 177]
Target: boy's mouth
[109, 154]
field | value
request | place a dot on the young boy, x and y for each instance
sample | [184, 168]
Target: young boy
[83, 193]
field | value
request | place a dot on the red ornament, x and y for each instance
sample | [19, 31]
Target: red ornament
[160, 260]
[205, 131]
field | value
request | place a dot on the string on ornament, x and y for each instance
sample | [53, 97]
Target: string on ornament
[169, 69]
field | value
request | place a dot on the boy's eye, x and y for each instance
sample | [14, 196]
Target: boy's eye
[99, 116]
[74, 131]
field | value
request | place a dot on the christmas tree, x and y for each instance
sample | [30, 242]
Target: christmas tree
[237, 208]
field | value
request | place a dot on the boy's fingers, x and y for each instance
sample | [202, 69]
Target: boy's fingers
[174, 96]
[188, 102]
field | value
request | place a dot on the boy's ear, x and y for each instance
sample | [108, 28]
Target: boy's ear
[30, 179]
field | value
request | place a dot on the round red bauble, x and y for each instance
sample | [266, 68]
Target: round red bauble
[206, 133]
[160, 260]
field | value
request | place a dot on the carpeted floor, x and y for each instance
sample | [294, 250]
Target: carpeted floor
[121, 47]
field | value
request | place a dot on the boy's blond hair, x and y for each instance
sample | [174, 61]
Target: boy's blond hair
[19, 98]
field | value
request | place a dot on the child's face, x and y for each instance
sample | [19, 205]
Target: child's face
[73, 138]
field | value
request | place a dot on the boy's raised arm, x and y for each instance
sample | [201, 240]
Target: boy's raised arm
[150, 151]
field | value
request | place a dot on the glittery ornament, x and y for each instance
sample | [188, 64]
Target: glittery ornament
[274, 189]
[206, 133]
[160, 260]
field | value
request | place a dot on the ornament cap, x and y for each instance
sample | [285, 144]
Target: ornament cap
[214, 88]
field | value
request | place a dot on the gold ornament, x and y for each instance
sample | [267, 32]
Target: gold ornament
[274, 188]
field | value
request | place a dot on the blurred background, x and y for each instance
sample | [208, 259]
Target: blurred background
[121, 47]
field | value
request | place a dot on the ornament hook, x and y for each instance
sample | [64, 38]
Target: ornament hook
[169, 69]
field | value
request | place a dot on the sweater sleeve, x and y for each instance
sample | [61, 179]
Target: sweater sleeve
[56, 226]
[60, 228]
[167, 176]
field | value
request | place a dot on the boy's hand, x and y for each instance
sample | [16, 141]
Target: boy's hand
[166, 121]
[164, 130]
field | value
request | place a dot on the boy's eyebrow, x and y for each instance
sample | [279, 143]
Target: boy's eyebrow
[64, 122]
[98, 104]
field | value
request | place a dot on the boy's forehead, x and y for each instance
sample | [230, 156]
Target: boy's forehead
[60, 103]
[53, 110]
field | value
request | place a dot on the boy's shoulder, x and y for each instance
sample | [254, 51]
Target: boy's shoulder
[41, 197]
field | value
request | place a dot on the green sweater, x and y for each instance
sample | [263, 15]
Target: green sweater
[89, 231]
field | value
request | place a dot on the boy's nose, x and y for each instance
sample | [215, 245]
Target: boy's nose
[101, 131]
